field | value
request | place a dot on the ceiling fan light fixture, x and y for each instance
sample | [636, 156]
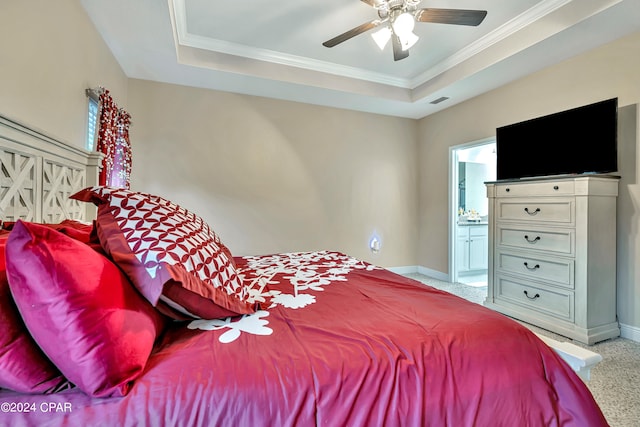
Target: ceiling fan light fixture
[408, 40]
[382, 37]
[403, 24]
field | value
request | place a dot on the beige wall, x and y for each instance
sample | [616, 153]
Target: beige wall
[275, 176]
[610, 71]
[271, 176]
[49, 54]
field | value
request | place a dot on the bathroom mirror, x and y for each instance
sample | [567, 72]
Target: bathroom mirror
[472, 193]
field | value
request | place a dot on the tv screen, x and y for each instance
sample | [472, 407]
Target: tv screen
[577, 141]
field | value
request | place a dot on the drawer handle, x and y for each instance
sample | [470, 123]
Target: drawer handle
[507, 189]
[535, 267]
[526, 294]
[532, 213]
[531, 240]
[555, 187]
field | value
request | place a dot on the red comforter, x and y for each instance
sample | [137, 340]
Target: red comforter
[338, 342]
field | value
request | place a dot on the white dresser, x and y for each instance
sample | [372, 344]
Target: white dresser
[552, 254]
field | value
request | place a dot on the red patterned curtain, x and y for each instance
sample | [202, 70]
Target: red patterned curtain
[121, 171]
[113, 142]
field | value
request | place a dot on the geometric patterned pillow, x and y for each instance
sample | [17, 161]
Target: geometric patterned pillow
[171, 255]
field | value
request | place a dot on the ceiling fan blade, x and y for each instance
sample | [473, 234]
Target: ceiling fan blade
[352, 33]
[372, 3]
[398, 53]
[451, 16]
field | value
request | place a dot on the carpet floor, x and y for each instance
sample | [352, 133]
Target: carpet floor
[614, 383]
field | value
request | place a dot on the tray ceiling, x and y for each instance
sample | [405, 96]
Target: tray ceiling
[274, 49]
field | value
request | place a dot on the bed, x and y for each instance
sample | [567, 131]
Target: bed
[306, 338]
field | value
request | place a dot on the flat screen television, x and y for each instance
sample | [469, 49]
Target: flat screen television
[577, 141]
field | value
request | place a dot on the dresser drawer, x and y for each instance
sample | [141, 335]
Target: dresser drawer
[538, 210]
[555, 270]
[551, 302]
[536, 189]
[559, 241]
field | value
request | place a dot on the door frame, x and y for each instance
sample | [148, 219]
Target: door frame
[454, 199]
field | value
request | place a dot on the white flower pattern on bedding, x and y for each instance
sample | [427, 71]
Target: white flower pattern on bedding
[305, 271]
[251, 323]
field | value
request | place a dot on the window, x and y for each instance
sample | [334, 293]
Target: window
[92, 123]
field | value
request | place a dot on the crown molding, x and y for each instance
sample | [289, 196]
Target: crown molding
[518, 23]
[185, 38]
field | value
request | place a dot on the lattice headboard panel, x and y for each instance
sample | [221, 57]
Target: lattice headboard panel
[38, 173]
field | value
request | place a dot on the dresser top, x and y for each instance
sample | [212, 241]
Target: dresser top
[555, 178]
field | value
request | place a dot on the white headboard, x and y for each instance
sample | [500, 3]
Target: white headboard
[38, 173]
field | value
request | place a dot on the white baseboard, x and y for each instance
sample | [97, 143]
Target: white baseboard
[408, 269]
[630, 332]
[433, 273]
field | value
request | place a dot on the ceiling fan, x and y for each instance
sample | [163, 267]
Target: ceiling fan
[399, 17]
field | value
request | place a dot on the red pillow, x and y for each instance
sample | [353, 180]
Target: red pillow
[70, 227]
[76, 229]
[171, 255]
[80, 309]
[23, 366]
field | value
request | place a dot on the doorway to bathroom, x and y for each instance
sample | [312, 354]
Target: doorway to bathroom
[471, 166]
